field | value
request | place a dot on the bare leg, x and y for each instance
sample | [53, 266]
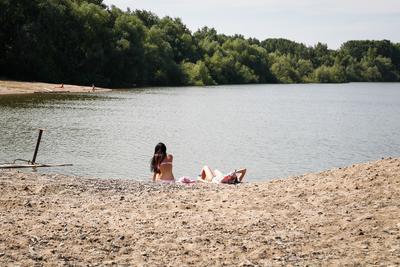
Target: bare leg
[241, 172]
[207, 174]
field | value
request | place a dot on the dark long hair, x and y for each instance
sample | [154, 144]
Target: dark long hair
[160, 152]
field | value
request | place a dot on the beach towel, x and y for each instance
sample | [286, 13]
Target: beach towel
[186, 180]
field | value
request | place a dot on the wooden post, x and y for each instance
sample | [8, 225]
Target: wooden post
[37, 146]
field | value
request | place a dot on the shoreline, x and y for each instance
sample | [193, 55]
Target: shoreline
[8, 87]
[11, 87]
[344, 216]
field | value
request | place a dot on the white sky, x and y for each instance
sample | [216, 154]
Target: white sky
[308, 21]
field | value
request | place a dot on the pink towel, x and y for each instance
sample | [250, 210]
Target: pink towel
[186, 180]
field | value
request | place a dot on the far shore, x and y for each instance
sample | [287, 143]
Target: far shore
[340, 217]
[14, 87]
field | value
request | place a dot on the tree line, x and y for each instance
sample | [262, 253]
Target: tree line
[85, 42]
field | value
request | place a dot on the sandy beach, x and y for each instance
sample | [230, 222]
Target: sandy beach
[14, 87]
[342, 217]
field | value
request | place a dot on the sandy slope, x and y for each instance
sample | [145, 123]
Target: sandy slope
[14, 87]
[348, 216]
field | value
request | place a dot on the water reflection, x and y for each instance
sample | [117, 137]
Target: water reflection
[39, 100]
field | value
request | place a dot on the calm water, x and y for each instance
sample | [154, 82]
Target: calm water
[273, 130]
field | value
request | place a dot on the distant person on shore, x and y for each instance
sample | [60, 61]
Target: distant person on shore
[161, 165]
[93, 87]
[209, 176]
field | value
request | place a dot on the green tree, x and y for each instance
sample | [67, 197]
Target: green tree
[304, 70]
[129, 34]
[284, 46]
[329, 74]
[197, 74]
[378, 68]
[85, 42]
[148, 18]
[284, 69]
[321, 55]
[160, 66]
[179, 38]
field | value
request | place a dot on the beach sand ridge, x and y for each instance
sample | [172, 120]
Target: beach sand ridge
[347, 216]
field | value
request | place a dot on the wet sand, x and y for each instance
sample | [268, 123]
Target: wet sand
[14, 87]
[348, 216]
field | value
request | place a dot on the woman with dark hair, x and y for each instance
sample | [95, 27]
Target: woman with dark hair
[161, 165]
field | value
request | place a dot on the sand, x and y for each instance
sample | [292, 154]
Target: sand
[347, 217]
[14, 87]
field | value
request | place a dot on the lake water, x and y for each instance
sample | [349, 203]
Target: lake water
[272, 130]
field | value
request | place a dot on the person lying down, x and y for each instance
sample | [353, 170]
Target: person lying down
[161, 167]
[209, 176]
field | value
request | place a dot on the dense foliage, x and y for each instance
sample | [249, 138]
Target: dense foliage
[85, 42]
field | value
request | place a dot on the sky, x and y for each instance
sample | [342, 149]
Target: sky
[331, 22]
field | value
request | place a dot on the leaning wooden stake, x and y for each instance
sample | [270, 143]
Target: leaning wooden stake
[31, 164]
[37, 146]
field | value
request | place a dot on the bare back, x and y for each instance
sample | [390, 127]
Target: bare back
[165, 168]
